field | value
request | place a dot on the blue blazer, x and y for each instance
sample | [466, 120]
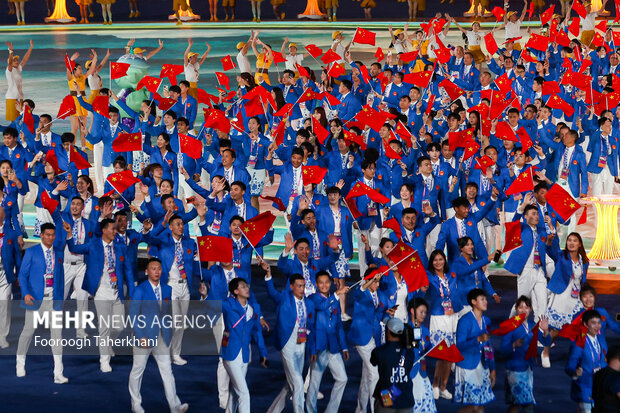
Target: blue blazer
[11, 253]
[518, 257]
[563, 272]
[467, 332]
[471, 276]
[144, 303]
[327, 328]
[577, 168]
[289, 267]
[32, 275]
[581, 387]
[94, 256]
[325, 222]
[228, 209]
[595, 147]
[349, 107]
[240, 331]
[132, 240]
[425, 345]
[286, 314]
[516, 357]
[366, 318]
[433, 294]
[419, 234]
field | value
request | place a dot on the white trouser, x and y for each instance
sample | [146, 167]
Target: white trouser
[602, 183]
[107, 170]
[431, 240]
[369, 379]
[98, 158]
[533, 284]
[6, 295]
[223, 386]
[239, 398]
[74, 274]
[449, 213]
[336, 367]
[26, 337]
[20, 216]
[374, 237]
[184, 189]
[293, 361]
[490, 237]
[161, 354]
[108, 314]
[180, 306]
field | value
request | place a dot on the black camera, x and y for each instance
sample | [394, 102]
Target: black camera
[411, 336]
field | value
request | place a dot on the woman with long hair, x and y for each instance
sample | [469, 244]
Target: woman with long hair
[163, 155]
[469, 270]
[14, 93]
[76, 80]
[85, 189]
[258, 145]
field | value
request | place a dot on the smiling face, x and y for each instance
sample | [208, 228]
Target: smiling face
[468, 249]
[302, 250]
[439, 263]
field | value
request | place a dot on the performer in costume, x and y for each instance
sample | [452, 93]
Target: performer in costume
[14, 93]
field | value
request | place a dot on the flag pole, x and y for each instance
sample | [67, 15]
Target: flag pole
[386, 271]
[425, 354]
[121, 195]
[260, 258]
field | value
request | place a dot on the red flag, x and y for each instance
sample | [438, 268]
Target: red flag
[238, 124]
[309, 94]
[404, 133]
[389, 152]
[443, 54]
[445, 352]
[549, 87]
[429, 104]
[118, 70]
[67, 107]
[214, 248]
[602, 26]
[256, 228]
[532, 349]
[278, 134]
[510, 325]
[524, 137]
[528, 57]
[78, 160]
[150, 83]
[453, 91]
[352, 208]
[171, 72]
[363, 36]
[394, 225]
[483, 163]
[513, 236]
[206, 98]
[48, 202]
[409, 56]
[227, 63]
[336, 70]
[320, 132]
[384, 269]
[365, 74]
[216, 119]
[471, 148]
[523, 183]
[490, 43]
[278, 57]
[579, 9]
[164, 103]
[584, 65]
[547, 15]
[499, 13]
[504, 84]
[361, 188]
[578, 56]
[504, 131]
[302, 70]
[538, 42]
[457, 139]
[190, 146]
[379, 55]
[69, 64]
[598, 40]
[557, 102]
[314, 50]
[584, 216]
[409, 266]
[27, 118]
[127, 142]
[275, 200]
[562, 202]
[575, 331]
[420, 79]
[573, 27]
[351, 137]
[101, 105]
[313, 174]
[120, 181]
[50, 158]
[530, 11]
[330, 56]
[284, 110]
[262, 95]
[562, 39]
[223, 80]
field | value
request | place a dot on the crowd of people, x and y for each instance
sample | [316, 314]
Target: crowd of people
[428, 154]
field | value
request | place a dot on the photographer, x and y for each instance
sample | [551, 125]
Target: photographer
[394, 390]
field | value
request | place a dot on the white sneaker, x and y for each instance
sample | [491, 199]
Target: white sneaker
[4, 343]
[319, 396]
[60, 379]
[137, 409]
[345, 317]
[435, 393]
[179, 361]
[105, 367]
[81, 334]
[546, 363]
[20, 370]
[183, 408]
[445, 394]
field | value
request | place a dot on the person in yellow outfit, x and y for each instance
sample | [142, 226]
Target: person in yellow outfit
[512, 23]
[191, 66]
[106, 10]
[14, 93]
[19, 11]
[94, 80]
[83, 10]
[256, 10]
[134, 9]
[77, 85]
[474, 37]
[331, 6]
[368, 5]
[263, 60]
[229, 9]
[276, 9]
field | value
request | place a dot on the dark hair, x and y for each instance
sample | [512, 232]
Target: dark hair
[232, 153]
[589, 315]
[171, 113]
[175, 89]
[322, 273]
[236, 218]
[297, 151]
[384, 241]
[587, 288]
[529, 208]
[409, 210]
[46, 226]
[523, 299]
[295, 277]
[305, 213]
[153, 259]
[89, 183]
[120, 161]
[433, 145]
[613, 353]
[184, 83]
[79, 198]
[333, 190]
[105, 222]
[184, 120]
[67, 137]
[459, 202]
[434, 255]
[120, 214]
[416, 302]
[581, 250]
[165, 197]
[301, 241]
[346, 83]
[11, 132]
[367, 164]
[463, 241]
[234, 284]
[240, 185]
[422, 159]
[541, 186]
[474, 294]
[174, 218]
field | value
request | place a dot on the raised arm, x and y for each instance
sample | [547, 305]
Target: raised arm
[27, 54]
[155, 51]
[205, 54]
[190, 42]
[524, 11]
[93, 66]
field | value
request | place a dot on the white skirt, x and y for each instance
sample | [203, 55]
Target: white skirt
[443, 327]
[520, 387]
[562, 308]
[423, 395]
[257, 181]
[43, 217]
[473, 387]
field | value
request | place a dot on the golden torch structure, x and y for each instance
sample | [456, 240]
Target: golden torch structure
[606, 248]
[60, 14]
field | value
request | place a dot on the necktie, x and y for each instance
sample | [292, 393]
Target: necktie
[157, 293]
[240, 210]
[229, 276]
[180, 160]
[108, 251]
[435, 169]
[375, 299]
[178, 253]
[315, 246]
[49, 262]
[227, 175]
[10, 153]
[301, 314]
[75, 233]
[537, 261]
[344, 161]
[461, 228]
[429, 183]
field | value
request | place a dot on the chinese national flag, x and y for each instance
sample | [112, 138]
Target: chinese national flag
[263, 94]
[312, 174]
[481, 108]
[429, 104]
[490, 43]
[562, 39]
[453, 91]
[238, 124]
[409, 56]
[164, 103]
[150, 83]
[573, 27]
[277, 57]
[504, 84]
[524, 138]
[504, 131]
[206, 98]
[458, 139]
[584, 65]
[276, 201]
[118, 70]
[379, 55]
[309, 94]
[101, 105]
[404, 133]
[50, 158]
[314, 50]
[602, 26]
[443, 54]
[214, 248]
[336, 70]
[483, 163]
[363, 36]
[575, 331]
[278, 134]
[532, 349]
[499, 13]
[120, 181]
[579, 9]
[330, 56]
[389, 152]
[557, 102]
[78, 160]
[523, 183]
[513, 236]
[127, 142]
[284, 110]
[530, 11]
[302, 70]
[320, 132]
[69, 64]
[409, 266]
[171, 72]
[528, 57]
[256, 228]
[584, 216]
[471, 148]
[67, 107]
[547, 15]
[352, 208]
[227, 63]
[351, 137]
[384, 269]
[562, 202]
[48, 202]
[445, 352]
[394, 225]
[508, 326]
[365, 74]
[550, 87]
[420, 79]
[223, 80]
[190, 146]
[538, 42]
[216, 119]
[361, 188]
[28, 119]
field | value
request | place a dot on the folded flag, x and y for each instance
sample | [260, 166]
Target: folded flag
[513, 236]
[510, 325]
